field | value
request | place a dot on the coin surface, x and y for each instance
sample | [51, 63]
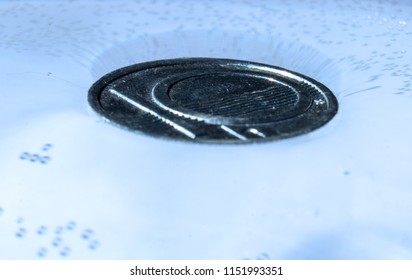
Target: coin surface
[212, 100]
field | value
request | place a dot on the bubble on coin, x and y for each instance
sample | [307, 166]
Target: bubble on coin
[212, 100]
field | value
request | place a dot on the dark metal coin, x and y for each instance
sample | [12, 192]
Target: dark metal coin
[213, 100]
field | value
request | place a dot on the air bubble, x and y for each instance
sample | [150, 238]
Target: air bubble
[45, 159]
[87, 234]
[65, 251]
[71, 225]
[42, 230]
[25, 155]
[47, 147]
[42, 252]
[56, 242]
[58, 230]
[94, 244]
[34, 158]
[21, 233]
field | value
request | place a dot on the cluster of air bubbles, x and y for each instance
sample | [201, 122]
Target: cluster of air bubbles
[43, 159]
[58, 240]
[35, 158]
[21, 230]
[57, 237]
[87, 235]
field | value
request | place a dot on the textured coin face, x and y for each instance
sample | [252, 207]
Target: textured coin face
[212, 100]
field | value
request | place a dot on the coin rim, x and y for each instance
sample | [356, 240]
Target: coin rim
[98, 87]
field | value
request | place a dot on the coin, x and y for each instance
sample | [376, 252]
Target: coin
[212, 100]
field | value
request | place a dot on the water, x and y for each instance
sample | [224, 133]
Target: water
[322, 195]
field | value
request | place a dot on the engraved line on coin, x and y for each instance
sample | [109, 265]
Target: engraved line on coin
[233, 133]
[179, 128]
[257, 132]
